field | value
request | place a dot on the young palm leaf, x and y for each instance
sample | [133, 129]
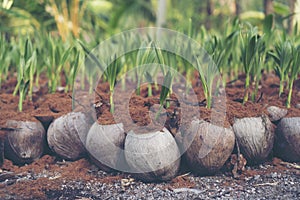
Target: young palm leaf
[294, 72]
[283, 57]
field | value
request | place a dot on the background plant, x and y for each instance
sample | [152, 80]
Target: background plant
[294, 72]
[282, 55]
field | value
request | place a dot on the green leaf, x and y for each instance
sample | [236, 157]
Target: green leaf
[268, 24]
[91, 56]
[66, 55]
[165, 88]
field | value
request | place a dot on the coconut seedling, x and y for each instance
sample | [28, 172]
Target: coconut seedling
[165, 89]
[207, 146]
[111, 68]
[282, 56]
[207, 73]
[26, 71]
[287, 139]
[259, 61]
[69, 68]
[52, 62]
[25, 141]
[294, 71]
[5, 57]
[154, 156]
[105, 145]
[252, 48]
[255, 136]
[66, 136]
[111, 74]
[145, 55]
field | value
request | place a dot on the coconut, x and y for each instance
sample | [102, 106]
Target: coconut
[105, 146]
[207, 146]
[255, 136]
[287, 139]
[1, 149]
[67, 134]
[152, 156]
[25, 142]
[276, 113]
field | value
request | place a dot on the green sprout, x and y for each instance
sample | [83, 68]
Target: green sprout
[252, 46]
[5, 57]
[207, 73]
[111, 74]
[283, 57]
[294, 71]
[145, 55]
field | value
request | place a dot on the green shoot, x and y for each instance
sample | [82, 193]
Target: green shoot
[145, 55]
[251, 52]
[294, 71]
[207, 73]
[283, 57]
[111, 74]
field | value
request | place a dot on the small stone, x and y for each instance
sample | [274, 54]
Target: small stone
[256, 177]
[274, 175]
[298, 105]
[276, 113]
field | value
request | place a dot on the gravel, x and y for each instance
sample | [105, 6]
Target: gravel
[266, 186]
[259, 182]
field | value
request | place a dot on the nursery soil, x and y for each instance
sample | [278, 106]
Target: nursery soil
[48, 177]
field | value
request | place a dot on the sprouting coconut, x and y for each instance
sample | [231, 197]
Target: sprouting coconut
[208, 146]
[1, 150]
[287, 139]
[276, 113]
[25, 141]
[152, 156]
[105, 144]
[255, 136]
[67, 134]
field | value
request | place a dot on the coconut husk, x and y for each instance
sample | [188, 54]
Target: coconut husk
[105, 145]
[255, 136]
[276, 113]
[67, 134]
[152, 156]
[211, 146]
[25, 142]
[287, 139]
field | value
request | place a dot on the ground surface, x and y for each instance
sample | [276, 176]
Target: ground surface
[48, 178]
[53, 178]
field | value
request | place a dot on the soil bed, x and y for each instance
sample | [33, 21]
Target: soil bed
[53, 178]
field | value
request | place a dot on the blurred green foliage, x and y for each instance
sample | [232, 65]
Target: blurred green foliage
[41, 36]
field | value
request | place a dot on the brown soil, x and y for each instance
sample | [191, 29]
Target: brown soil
[55, 105]
[139, 105]
[58, 173]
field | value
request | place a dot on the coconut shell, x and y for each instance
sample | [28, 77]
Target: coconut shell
[152, 156]
[255, 136]
[67, 134]
[209, 146]
[1, 151]
[26, 143]
[287, 139]
[105, 146]
[276, 113]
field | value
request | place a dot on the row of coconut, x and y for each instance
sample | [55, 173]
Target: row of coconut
[157, 155]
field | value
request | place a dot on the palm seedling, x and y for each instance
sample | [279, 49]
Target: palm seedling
[145, 55]
[282, 56]
[5, 57]
[251, 45]
[294, 71]
[111, 68]
[207, 72]
[26, 71]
